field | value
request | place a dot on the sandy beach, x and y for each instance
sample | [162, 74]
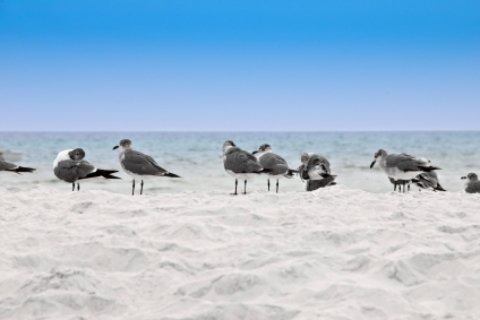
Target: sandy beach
[337, 253]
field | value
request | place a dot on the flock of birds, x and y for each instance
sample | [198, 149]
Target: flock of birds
[401, 169]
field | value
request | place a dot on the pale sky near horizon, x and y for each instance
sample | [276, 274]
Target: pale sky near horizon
[239, 66]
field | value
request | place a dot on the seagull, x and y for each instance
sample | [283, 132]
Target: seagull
[240, 164]
[315, 170]
[428, 180]
[70, 166]
[7, 166]
[139, 165]
[401, 167]
[472, 185]
[277, 166]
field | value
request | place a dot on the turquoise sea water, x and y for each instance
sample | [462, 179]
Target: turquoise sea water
[197, 157]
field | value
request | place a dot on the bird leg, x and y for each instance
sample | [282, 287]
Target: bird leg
[236, 185]
[245, 187]
[78, 186]
[141, 187]
[277, 185]
[268, 184]
[73, 186]
[133, 187]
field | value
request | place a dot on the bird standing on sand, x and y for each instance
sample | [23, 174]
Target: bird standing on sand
[401, 168]
[7, 166]
[240, 164]
[276, 166]
[472, 185]
[315, 170]
[70, 166]
[139, 165]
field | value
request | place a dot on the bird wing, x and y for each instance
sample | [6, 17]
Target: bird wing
[142, 164]
[240, 161]
[71, 171]
[405, 162]
[274, 163]
[7, 166]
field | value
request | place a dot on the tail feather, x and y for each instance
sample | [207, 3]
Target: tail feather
[439, 188]
[290, 172]
[171, 175]
[24, 169]
[107, 174]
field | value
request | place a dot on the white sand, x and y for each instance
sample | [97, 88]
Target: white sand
[333, 254]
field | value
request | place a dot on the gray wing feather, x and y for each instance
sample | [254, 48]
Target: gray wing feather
[405, 162]
[317, 160]
[473, 187]
[4, 166]
[141, 164]
[240, 161]
[274, 163]
[71, 171]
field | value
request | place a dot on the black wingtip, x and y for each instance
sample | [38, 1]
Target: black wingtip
[107, 174]
[429, 168]
[440, 188]
[24, 169]
[171, 175]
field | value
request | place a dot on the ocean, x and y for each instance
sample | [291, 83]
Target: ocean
[197, 156]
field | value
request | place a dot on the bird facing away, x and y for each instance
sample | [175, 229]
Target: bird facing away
[139, 165]
[240, 164]
[472, 185]
[428, 180]
[275, 165]
[315, 170]
[70, 166]
[401, 168]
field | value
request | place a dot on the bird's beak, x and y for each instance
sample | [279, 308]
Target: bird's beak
[373, 163]
[463, 178]
[255, 152]
[115, 148]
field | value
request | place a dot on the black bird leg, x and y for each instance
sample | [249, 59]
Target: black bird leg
[73, 186]
[141, 187]
[78, 186]
[403, 186]
[236, 185]
[268, 184]
[277, 185]
[245, 187]
[133, 187]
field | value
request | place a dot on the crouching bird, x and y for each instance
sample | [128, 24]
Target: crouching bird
[70, 166]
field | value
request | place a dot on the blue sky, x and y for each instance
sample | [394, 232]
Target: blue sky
[239, 65]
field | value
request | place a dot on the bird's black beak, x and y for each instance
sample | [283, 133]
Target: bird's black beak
[463, 178]
[255, 152]
[115, 148]
[373, 163]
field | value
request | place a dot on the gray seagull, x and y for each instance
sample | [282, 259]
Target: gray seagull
[472, 185]
[277, 166]
[401, 168]
[240, 164]
[139, 165]
[70, 166]
[315, 170]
